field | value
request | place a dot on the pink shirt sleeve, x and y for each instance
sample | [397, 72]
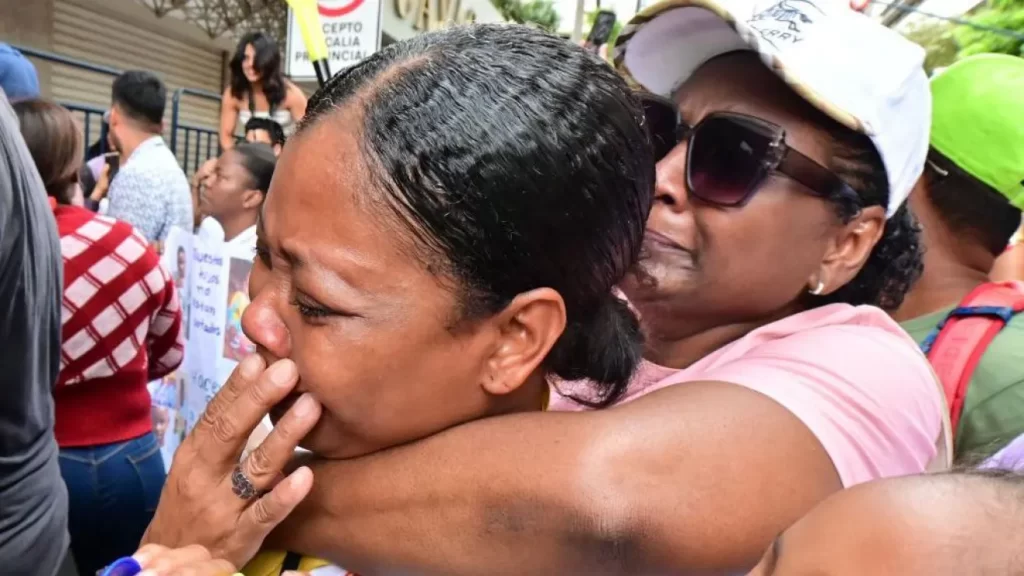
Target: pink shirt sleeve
[875, 418]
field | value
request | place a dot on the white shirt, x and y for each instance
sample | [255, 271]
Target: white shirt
[151, 191]
[246, 240]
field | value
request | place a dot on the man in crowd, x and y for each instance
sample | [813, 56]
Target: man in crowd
[33, 499]
[266, 131]
[150, 191]
[969, 204]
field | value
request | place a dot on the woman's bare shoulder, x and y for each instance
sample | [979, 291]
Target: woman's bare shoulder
[230, 100]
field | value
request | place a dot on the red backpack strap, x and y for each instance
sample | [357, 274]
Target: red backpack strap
[957, 344]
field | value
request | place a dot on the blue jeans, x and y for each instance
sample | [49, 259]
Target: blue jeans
[113, 490]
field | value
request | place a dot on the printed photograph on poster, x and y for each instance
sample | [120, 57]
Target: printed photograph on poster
[180, 275]
[176, 425]
[166, 392]
[168, 396]
[236, 345]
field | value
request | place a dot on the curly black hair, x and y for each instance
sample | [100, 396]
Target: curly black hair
[896, 261]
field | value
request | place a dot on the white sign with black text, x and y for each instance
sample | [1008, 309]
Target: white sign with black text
[352, 29]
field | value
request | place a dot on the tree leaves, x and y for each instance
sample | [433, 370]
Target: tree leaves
[540, 13]
[996, 27]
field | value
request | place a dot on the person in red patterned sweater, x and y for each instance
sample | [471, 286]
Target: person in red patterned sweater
[121, 327]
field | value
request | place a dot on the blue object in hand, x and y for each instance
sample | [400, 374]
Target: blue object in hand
[126, 566]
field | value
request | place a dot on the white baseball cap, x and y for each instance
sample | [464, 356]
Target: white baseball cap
[863, 75]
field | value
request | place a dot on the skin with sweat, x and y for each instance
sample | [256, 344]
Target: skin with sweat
[641, 487]
[375, 334]
[944, 525]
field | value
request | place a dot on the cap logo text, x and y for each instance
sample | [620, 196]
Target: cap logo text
[784, 23]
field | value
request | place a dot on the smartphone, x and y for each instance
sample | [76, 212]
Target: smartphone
[601, 31]
[114, 162]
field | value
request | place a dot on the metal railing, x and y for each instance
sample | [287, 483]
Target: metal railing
[90, 112]
[95, 114]
[211, 136]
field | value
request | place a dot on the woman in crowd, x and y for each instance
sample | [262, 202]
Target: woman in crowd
[258, 89]
[429, 262]
[121, 328]
[775, 379]
[234, 193]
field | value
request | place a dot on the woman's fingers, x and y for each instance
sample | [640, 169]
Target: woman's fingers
[146, 554]
[247, 397]
[243, 376]
[191, 560]
[201, 502]
[263, 516]
[264, 465]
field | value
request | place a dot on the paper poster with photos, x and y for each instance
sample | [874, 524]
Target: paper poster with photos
[212, 280]
[168, 393]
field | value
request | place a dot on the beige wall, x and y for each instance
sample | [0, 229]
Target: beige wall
[29, 23]
[119, 34]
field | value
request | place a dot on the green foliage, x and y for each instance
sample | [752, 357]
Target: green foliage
[1002, 14]
[539, 13]
[936, 37]
[945, 42]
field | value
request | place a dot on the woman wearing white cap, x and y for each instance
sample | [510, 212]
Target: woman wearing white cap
[778, 214]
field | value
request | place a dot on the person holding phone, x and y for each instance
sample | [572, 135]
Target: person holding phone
[95, 189]
[600, 33]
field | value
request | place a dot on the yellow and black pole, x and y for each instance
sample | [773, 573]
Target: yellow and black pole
[307, 14]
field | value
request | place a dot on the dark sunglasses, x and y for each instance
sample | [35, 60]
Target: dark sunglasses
[729, 155]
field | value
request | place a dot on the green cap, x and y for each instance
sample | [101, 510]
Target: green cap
[978, 120]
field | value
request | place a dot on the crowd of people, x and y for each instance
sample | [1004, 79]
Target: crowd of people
[715, 309]
[113, 203]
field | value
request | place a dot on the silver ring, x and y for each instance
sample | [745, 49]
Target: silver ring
[242, 486]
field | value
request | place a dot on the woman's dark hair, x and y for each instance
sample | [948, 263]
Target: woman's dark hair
[968, 206]
[55, 142]
[267, 63]
[896, 261]
[259, 161]
[515, 161]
